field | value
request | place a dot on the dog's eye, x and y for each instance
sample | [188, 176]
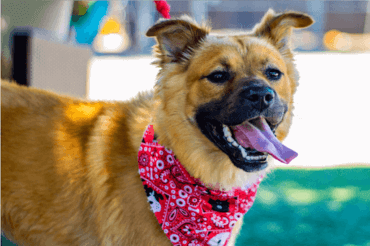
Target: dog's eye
[218, 77]
[273, 74]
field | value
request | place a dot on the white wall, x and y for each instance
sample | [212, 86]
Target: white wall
[332, 115]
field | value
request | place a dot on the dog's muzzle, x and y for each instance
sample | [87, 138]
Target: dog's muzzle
[250, 112]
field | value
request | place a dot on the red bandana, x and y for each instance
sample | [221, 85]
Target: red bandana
[188, 212]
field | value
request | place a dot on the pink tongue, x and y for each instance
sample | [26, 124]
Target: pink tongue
[260, 137]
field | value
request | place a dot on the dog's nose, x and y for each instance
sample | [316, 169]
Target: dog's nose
[259, 97]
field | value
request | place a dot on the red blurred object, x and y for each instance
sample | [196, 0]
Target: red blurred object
[163, 8]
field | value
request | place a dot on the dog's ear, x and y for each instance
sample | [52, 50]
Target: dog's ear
[277, 28]
[176, 38]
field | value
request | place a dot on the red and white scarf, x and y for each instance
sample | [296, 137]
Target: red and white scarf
[188, 212]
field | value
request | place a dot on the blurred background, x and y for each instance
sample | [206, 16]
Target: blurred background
[98, 50]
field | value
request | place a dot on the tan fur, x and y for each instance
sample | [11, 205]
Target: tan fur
[69, 166]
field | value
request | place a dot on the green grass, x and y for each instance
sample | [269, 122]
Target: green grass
[310, 207]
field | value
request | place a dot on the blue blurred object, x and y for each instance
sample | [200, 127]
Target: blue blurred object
[87, 26]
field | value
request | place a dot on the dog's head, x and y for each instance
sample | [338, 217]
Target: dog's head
[208, 85]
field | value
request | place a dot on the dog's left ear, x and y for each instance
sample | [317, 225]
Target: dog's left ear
[277, 28]
[176, 38]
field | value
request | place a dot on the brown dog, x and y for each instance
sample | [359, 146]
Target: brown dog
[70, 167]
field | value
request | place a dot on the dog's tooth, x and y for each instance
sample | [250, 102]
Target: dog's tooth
[230, 139]
[260, 157]
[244, 153]
[227, 132]
[235, 144]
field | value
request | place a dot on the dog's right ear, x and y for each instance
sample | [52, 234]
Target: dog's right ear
[277, 28]
[176, 38]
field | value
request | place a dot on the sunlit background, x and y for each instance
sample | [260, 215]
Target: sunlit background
[98, 50]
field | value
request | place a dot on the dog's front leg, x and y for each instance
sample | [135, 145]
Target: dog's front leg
[235, 232]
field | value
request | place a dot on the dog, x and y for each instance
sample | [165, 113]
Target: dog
[69, 167]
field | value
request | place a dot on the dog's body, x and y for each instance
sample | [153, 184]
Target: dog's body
[70, 167]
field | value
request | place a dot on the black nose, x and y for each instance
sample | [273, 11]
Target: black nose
[259, 97]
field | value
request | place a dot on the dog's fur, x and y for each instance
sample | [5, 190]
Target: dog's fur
[69, 167]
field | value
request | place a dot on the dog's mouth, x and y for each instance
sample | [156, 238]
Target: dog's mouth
[248, 144]
[246, 158]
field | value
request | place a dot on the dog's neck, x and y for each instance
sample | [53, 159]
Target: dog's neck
[183, 206]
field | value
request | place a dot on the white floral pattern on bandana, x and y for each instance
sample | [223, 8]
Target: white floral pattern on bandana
[188, 212]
